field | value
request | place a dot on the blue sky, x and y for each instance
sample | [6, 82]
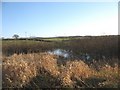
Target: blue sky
[49, 19]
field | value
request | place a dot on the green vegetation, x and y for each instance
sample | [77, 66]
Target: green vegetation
[57, 39]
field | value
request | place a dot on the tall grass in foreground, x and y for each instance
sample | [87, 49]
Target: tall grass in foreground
[43, 70]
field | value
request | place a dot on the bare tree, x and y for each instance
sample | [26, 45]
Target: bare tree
[15, 36]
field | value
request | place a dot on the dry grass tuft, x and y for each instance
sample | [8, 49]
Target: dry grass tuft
[17, 73]
[19, 69]
[75, 69]
[42, 70]
[110, 74]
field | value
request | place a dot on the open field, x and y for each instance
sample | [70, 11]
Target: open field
[28, 64]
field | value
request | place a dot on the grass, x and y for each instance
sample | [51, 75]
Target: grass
[42, 70]
[26, 63]
[96, 46]
[10, 47]
[57, 39]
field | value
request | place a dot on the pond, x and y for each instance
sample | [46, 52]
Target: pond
[69, 54]
[60, 52]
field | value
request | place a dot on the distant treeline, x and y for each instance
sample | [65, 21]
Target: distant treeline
[35, 39]
[41, 38]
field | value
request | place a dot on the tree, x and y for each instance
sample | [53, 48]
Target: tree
[15, 36]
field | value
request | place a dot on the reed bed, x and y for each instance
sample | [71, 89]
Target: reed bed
[41, 70]
[95, 46]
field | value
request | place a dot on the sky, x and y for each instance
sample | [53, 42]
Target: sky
[51, 19]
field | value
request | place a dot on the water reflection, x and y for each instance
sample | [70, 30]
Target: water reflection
[68, 54]
[60, 52]
[86, 57]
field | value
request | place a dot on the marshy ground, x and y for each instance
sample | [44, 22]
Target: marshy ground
[89, 62]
